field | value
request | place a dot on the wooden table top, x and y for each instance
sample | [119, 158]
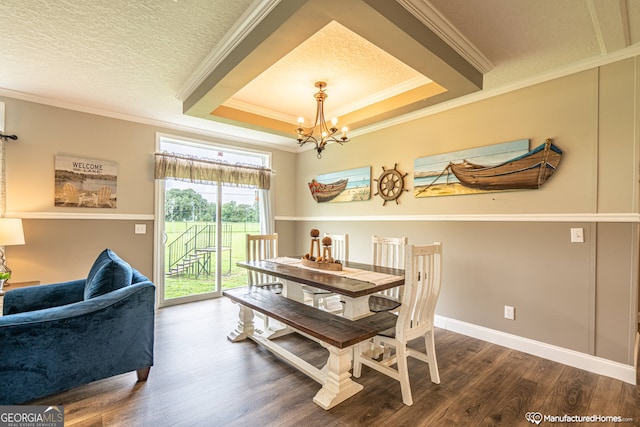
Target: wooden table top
[330, 282]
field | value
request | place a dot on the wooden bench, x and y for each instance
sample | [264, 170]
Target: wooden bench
[336, 334]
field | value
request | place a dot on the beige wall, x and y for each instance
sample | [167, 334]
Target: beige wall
[565, 110]
[59, 248]
[577, 296]
[580, 296]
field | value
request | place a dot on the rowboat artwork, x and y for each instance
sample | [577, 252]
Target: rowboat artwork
[352, 185]
[326, 192]
[529, 170]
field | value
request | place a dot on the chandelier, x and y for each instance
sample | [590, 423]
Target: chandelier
[325, 134]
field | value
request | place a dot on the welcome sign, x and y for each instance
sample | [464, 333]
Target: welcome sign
[85, 183]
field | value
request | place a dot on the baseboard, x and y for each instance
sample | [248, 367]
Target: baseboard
[565, 356]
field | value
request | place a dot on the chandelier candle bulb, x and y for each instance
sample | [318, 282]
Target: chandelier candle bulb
[344, 132]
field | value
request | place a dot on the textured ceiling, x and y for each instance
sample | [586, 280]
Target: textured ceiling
[357, 73]
[377, 59]
[138, 59]
[526, 38]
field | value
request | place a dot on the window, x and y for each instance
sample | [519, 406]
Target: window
[208, 199]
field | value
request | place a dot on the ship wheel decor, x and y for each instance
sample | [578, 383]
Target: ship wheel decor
[390, 184]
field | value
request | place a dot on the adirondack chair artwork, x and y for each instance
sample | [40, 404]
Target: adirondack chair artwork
[71, 197]
[104, 197]
[85, 183]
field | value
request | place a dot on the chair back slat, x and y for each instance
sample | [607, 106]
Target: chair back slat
[423, 278]
[389, 252]
[259, 247]
[339, 246]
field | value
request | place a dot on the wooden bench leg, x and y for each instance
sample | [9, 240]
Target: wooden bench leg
[338, 385]
[245, 326]
[143, 373]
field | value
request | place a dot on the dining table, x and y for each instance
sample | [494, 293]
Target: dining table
[355, 283]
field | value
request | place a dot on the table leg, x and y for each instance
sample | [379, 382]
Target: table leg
[245, 326]
[356, 308]
[292, 290]
[338, 385]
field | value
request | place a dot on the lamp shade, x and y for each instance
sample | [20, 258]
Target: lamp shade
[11, 232]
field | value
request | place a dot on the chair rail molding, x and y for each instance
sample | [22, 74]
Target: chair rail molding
[553, 217]
[79, 215]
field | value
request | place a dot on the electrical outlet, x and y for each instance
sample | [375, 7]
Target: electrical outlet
[140, 229]
[577, 235]
[509, 312]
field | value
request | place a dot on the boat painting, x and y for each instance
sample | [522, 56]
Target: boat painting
[326, 192]
[500, 167]
[528, 171]
[343, 186]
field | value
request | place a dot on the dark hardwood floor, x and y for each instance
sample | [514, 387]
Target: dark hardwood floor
[202, 379]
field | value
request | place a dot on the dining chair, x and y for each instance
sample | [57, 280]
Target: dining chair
[321, 297]
[387, 252]
[259, 247]
[263, 246]
[423, 267]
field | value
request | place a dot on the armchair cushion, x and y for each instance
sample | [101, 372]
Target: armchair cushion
[108, 273]
[33, 298]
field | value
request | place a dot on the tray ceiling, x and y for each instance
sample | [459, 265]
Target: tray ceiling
[378, 60]
[245, 69]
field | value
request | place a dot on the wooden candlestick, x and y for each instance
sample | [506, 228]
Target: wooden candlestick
[326, 253]
[315, 245]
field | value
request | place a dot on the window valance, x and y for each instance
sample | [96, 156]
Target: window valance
[201, 170]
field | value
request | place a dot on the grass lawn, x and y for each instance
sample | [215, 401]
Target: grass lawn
[232, 276]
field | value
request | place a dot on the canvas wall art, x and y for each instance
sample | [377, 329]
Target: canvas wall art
[344, 186]
[433, 178]
[85, 183]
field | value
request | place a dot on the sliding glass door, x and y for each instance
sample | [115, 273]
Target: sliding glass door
[203, 227]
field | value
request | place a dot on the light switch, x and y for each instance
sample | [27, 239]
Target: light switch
[141, 229]
[577, 235]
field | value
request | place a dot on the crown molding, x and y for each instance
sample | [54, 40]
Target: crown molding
[614, 8]
[345, 109]
[573, 68]
[243, 27]
[382, 95]
[264, 140]
[429, 16]
[261, 111]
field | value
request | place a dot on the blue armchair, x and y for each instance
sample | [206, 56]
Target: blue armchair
[59, 336]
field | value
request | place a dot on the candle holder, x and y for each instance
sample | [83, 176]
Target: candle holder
[324, 260]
